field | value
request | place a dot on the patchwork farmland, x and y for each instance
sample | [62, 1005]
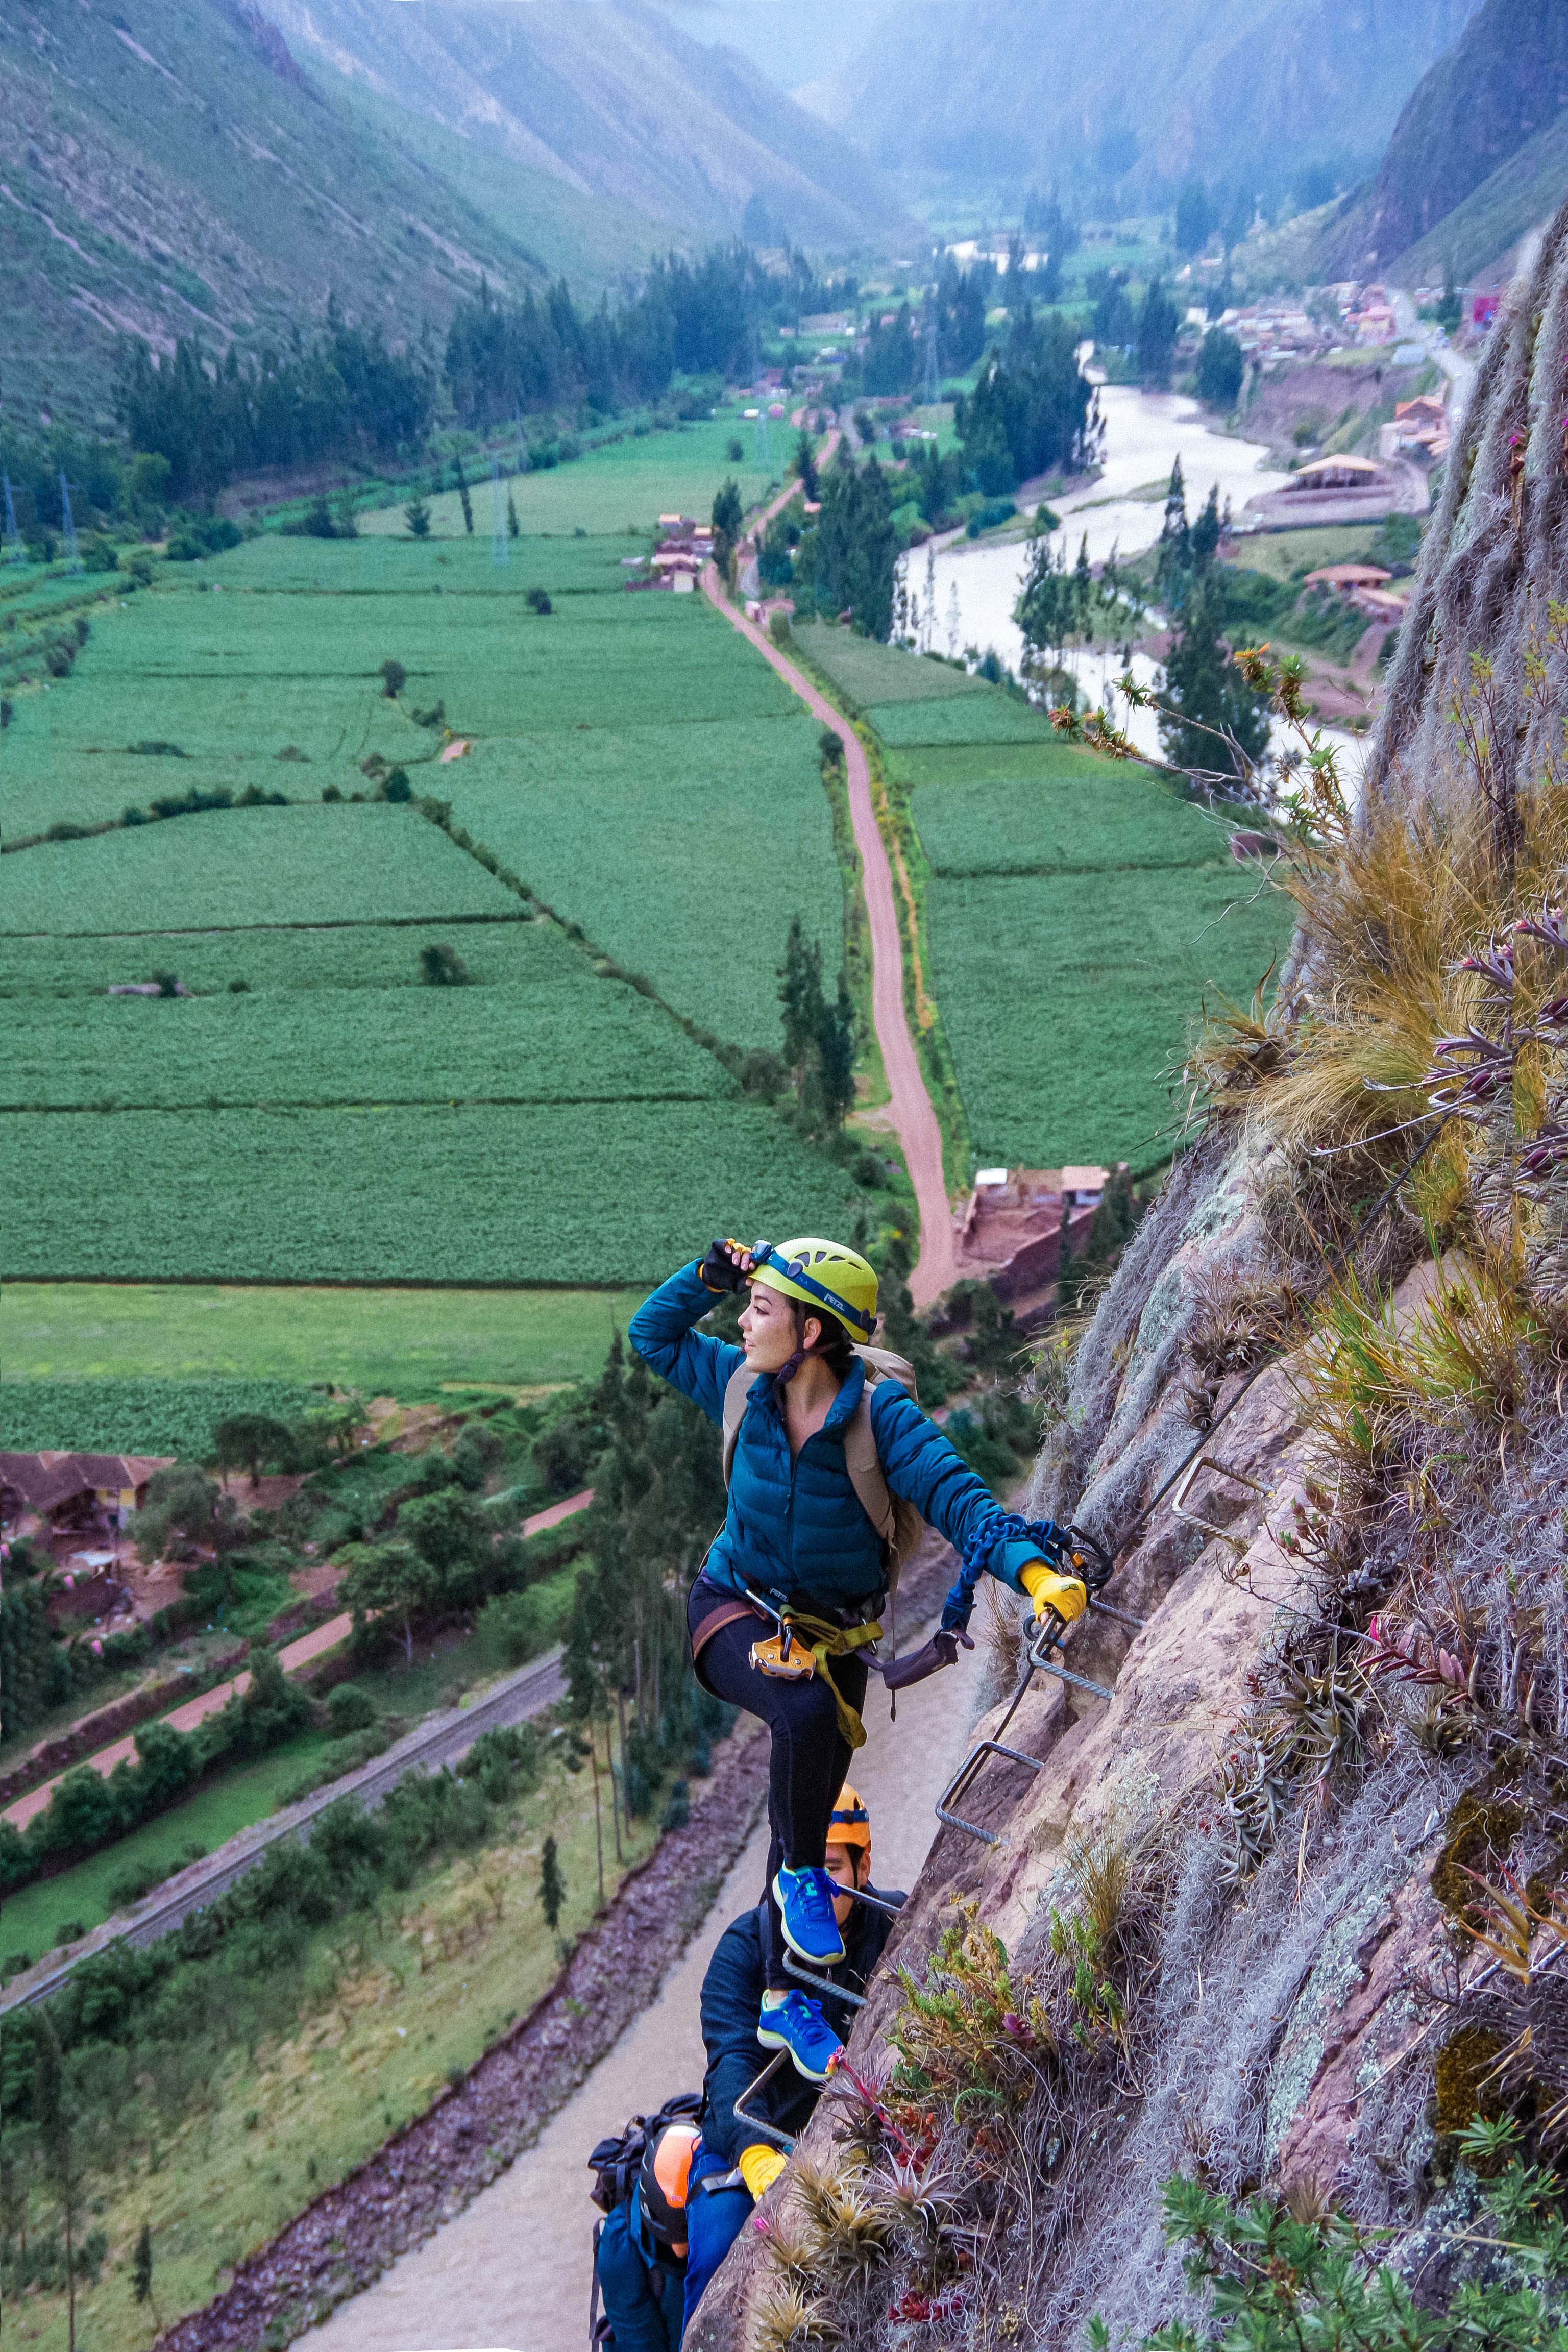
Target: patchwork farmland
[591, 778]
[1071, 913]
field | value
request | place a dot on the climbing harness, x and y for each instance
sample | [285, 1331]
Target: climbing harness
[805, 1644]
[1093, 1563]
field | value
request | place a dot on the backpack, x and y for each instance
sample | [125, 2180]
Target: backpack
[617, 2164]
[617, 2161]
[896, 1522]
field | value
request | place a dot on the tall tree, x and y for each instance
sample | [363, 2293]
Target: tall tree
[1171, 559]
[1156, 341]
[57, 2146]
[1208, 702]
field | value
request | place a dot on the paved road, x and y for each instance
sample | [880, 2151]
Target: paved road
[914, 1119]
[291, 1657]
[1459, 369]
[439, 1740]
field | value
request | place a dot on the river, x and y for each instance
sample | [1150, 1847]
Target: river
[975, 586]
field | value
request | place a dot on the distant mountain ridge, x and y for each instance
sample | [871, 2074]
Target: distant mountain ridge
[612, 97]
[1248, 90]
[1478, 156]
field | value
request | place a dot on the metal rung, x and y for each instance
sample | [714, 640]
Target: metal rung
[795, 1968]
[1041, 1662]
[872, 1902]
[966, 1774]
[743, 2114]
[1104, 1608]
[1207, 1527]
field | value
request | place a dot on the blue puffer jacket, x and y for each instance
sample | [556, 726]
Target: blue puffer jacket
[794, 1524]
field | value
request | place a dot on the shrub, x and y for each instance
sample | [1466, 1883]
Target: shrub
[512, 1627]
[395, 677]
[538, 601]
[441, 966]
[349, 1708]
[397, 787]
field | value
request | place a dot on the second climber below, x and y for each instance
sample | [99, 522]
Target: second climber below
[798, 1546]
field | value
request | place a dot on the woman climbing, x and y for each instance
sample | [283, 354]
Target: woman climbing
[788, 1595]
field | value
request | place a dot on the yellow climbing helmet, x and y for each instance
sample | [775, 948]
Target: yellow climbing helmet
[823, 1273]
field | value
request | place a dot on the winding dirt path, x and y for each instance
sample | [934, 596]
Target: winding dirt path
[914, 1120]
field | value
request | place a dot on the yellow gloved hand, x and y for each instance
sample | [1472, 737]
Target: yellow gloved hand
[1048, 1589]
[758, 2167]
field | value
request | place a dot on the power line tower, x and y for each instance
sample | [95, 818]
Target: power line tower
[763, 451]
[500, 549]
[68, 529]
[522, 444]
[932, 389]
[11, 548]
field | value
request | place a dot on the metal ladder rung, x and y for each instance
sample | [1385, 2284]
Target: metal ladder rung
[795, 1968]
[759, 2122]
[966, 1772]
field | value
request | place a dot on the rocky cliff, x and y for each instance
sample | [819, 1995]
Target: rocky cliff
[1501, 89]
[1277, 1918]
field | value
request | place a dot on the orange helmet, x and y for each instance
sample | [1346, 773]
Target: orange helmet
[851, 1823]
[666, 2180]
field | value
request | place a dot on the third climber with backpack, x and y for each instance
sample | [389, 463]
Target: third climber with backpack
[788, 1596]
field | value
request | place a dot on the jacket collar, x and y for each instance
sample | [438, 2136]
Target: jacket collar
[765, 1390]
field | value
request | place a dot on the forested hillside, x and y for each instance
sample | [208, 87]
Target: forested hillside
[1271, 96]
[179, 168]
[1477, 156]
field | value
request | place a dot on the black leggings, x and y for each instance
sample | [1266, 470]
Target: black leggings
[810, 1753]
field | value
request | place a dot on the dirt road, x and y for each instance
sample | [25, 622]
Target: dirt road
[914, 1120]
[514, 2269]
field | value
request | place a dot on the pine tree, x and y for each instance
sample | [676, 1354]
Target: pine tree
[800, 996]
[1207, 698]
[513, 526]
[1204, 536]
[551, 1885]
[1171, 561]
[141, 2266]
[805, 465]
[463, 495]
[1157, 326]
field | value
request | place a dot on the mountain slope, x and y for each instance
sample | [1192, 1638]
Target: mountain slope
[1223, 88]
[1503, 86]
[169, 169]
[613, 98]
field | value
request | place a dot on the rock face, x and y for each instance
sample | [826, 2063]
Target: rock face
[1503, 82]
[1494, 558]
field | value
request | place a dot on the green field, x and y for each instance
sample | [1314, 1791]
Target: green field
[1068, 999]
[168, 1349]
[1104, 819]
[656, 849]
[993, 716]
[869, 673]
[40, 1412]
[630, 482]
[311, 1112]
[513, 953]
[242, 869]
[597, 1192]
[577, 1039]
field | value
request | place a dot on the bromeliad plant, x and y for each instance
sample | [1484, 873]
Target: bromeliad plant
[1279, 2280]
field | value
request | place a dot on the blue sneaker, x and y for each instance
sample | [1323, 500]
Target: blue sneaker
[797, 2025]
[804, 1898]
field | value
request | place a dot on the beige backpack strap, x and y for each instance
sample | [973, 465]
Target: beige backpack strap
[860, 1459]
[735, 1393]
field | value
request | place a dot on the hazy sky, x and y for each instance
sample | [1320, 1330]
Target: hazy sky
[793, 41]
